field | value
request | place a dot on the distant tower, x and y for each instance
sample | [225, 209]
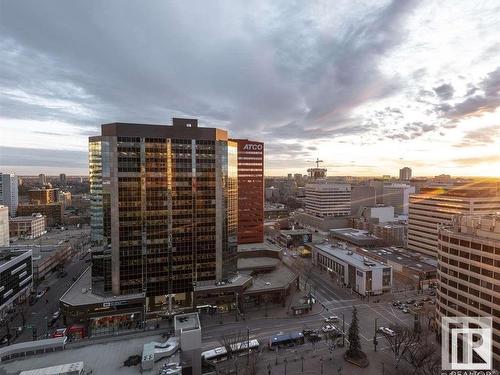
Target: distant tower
[62, 179]
[42, 180]
[9, 195]
[405, 174]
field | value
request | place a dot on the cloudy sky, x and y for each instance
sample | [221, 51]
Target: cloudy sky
[367, 86]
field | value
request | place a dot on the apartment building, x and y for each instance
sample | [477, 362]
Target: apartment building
[469, 270]
[435, 206]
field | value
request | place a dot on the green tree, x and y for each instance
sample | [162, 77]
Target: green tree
[354, 350]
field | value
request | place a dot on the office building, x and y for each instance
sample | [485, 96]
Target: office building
[328, 200]
[15, 277]
[364, 275]
[405, 174]
[469, 270]
[42, 179]
[9, 195]
[4, 226]
[65, 198]
[437, 206]
[27, 227]
[44, 195]
[164, 209]
[250, 191]
[53, 212]
[62, 179]
[398, 196]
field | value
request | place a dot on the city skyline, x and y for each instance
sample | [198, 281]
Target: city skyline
[384, 85]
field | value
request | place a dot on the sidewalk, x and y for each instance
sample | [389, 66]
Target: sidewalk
[261, 312]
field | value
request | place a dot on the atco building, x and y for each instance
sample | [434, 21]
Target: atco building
[250, 191]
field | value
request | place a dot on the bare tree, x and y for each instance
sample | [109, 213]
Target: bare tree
[404, 339]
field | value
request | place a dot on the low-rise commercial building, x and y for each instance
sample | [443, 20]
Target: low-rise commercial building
[27, 227]
[15, 276]
[294, 237]
[364, 275]
[44, 195]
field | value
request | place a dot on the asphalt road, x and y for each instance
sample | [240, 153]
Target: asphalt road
[336, 301]
[36, 314]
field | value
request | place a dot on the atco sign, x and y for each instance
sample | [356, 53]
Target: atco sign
[252, 147]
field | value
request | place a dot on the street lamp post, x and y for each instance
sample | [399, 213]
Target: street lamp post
[343, 330]
[375, 335]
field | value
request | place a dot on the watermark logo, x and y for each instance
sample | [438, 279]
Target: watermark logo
[466, 343]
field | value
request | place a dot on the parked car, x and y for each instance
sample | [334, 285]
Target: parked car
[41, 293]
[387, 331]
[328, 328]
[332, 319]
[56, 315]
[396, 303]
[406, 311]
[409, 301]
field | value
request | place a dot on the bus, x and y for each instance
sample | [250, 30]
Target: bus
[221, 354]
[284, 340]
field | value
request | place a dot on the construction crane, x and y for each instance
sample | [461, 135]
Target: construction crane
[317, 161]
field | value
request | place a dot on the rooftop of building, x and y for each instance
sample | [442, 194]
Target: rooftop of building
[355, 234]
[280, 278]
[404, 257]
[80, 293]
[187, 322]
[295, 232]
[257, 263]
[181, 128]
[350, 257]
[26, 218]
[240, 280]
[257, 246]
[7, 254]
[105, 357]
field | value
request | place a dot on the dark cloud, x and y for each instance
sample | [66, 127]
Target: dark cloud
[480, 137]
[275, 71]
[445, 91]
[487, 101]
[24, 157]
[411, 131]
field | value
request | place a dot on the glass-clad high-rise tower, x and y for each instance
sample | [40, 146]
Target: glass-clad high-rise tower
[163, 208]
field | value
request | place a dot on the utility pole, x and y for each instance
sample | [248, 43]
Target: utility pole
[343, 330]
[237, 308]
[375, 335]
[248, 346]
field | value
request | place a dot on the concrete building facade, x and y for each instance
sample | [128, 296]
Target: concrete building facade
[433, 207]
[4, 226]
[27, 227]
[328, 200]
[469, 270]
